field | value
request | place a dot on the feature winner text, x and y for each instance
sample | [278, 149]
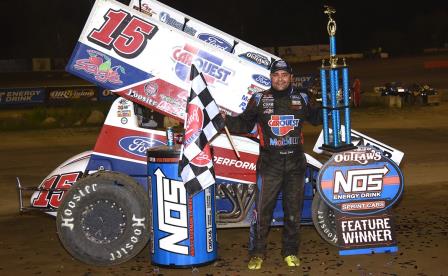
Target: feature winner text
[366, 230]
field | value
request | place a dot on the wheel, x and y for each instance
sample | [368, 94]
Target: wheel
[324, 220]
[104, 219]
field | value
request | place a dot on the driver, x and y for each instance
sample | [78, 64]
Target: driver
[278, 113]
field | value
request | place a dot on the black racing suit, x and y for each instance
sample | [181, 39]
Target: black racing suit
[278, 116]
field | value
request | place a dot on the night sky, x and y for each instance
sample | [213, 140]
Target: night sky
[50, 28]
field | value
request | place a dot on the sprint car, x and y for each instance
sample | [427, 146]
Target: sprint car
[100, 197]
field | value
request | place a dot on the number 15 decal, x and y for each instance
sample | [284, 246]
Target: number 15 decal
[124, 33]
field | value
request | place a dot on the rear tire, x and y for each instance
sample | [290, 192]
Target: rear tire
[104, 219]
[324, 220]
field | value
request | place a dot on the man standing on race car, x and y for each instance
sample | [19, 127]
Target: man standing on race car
[278, 114]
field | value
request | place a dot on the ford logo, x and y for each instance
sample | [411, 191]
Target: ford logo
[137, 145]
[216, 41]
[261, 80]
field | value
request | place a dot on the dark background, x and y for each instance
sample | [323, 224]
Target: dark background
[50, 28]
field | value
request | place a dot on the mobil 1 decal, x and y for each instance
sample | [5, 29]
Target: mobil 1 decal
[360, 182]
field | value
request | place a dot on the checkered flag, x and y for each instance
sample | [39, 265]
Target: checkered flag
[203, 122]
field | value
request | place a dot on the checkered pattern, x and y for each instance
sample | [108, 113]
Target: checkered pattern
[197, 178]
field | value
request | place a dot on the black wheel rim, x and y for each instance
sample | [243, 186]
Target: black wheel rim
[103, 221]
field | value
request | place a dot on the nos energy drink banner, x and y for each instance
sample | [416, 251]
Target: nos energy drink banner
[148, 62]
[204, 32]
[183, 231]
[361, 185]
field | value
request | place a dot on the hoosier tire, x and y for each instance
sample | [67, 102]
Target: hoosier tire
[324, 220]
[104, 219]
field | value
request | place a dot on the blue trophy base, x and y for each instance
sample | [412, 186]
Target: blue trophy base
[342, 147]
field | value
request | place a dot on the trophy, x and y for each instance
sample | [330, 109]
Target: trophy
[336, 99]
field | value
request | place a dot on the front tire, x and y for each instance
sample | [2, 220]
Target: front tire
[324, 220]
[104, 219]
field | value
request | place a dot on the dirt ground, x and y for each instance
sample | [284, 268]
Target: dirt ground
[29, 244]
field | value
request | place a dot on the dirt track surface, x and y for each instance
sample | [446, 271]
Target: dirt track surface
[29, 244]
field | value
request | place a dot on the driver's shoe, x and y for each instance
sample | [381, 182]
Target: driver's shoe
[255, 263]
[292, 260]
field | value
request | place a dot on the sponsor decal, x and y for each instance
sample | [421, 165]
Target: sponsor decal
[172, 214]
[168, 99]
[226, 165]
[208, 220]
[360, 181]
[282, 124]
[194, 123]
[252, 89]
[151, 88]
[145, 9]
[284, 141]
[361, 157]
[216, 41]
[224, 161]
[193, 128]
[261, 80]
[103, 70]
[59, 184]
[123, 113]
[295, 100]
[257, 59]
[100, 66]
[210, 65]
[135, 94]
[268, 111]
[138, 145]
[167, 19]
[245, 98]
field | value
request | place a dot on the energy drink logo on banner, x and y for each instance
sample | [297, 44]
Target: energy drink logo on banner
[360, 181]
[21, 96]
[210, 65]
[282, 124]
[138, 145]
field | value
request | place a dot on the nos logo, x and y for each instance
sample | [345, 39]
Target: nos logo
[172, 213]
